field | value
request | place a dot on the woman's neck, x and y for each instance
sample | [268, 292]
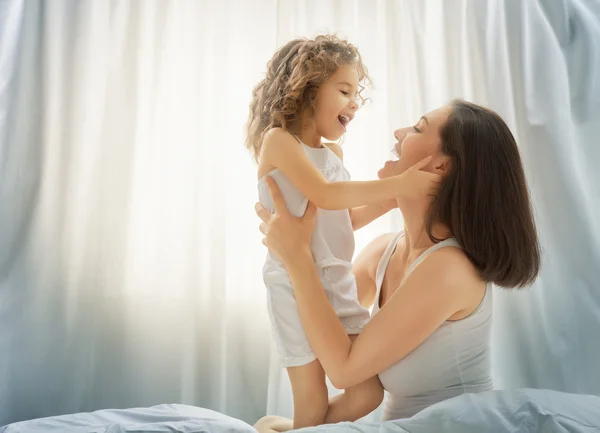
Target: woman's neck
[415, 232]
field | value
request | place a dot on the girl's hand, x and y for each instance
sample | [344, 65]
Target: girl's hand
[418, 183]
[285, 235]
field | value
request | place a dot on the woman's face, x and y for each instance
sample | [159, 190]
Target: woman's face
[416, 142]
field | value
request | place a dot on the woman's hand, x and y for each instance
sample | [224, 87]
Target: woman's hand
[285, 235]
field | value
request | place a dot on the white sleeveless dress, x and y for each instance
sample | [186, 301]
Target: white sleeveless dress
[332, 247]
[454, 360]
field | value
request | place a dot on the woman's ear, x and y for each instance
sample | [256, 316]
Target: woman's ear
[441, 165]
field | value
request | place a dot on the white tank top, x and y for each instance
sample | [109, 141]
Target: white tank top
[333, 238]
[455, 359]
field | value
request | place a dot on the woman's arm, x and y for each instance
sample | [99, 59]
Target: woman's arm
[428, 297]
[431, 294]
[364, 268]
[282, 151]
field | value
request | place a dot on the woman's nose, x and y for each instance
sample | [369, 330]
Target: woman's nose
[399, 134]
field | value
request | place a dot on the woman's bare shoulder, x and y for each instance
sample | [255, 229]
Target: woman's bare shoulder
[454, 269]
[367, 260]
[372, 253]
[457, 265]
[365, 268]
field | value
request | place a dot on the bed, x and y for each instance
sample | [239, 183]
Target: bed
[520, 410]
[167, 418]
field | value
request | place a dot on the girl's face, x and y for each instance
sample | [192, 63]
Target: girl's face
[414, 143]
[335, 103]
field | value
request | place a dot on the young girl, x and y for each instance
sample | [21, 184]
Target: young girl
[309, 93]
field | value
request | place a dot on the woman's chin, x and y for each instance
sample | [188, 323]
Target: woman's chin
[387, 170]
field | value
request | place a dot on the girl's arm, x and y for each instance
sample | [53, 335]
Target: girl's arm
[364, 215]
[282, 151]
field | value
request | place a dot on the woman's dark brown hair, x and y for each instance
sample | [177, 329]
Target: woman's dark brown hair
[484, 198]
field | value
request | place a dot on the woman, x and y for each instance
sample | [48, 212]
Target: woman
[429, 336]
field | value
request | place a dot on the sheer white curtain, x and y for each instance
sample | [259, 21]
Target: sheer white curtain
[130, 258]
[131, 261]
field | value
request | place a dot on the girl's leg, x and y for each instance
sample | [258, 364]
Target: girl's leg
[311, 397]
[355, 402]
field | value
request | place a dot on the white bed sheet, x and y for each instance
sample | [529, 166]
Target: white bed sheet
[167, 418]
[520, 410]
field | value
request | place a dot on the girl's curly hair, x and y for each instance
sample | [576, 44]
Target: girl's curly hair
[294, 76]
